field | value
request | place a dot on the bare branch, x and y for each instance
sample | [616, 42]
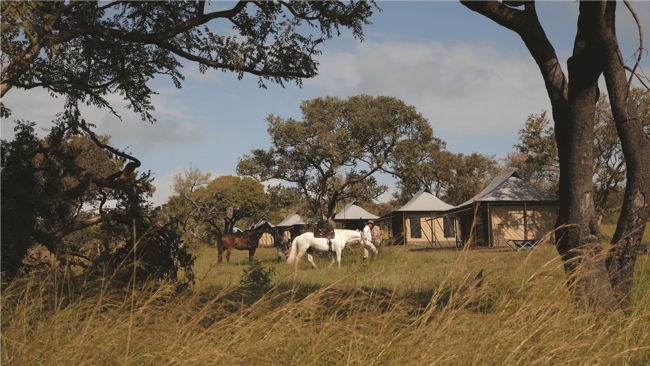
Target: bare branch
[638, 77]
[639, 50]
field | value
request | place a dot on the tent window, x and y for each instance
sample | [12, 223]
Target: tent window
[448, 226]
[416, 228]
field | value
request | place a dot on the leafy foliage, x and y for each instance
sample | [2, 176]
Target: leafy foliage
[56, 190]
[454, 178]
[205, 208]
[87, 50]
[332, 154]
[536, 156]
[257, 278]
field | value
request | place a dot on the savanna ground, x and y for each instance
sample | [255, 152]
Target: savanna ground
[410, 307]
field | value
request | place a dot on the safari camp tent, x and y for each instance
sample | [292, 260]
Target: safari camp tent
[422, 221]
[509, 208]
[267, 238]
[353, 217]
[292, 225]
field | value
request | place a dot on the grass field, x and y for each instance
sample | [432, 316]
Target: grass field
[412, 306]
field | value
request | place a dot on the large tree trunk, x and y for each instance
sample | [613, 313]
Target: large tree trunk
[578, 239]
[573, 104]
[636, 149]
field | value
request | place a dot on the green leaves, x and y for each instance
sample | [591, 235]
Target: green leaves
[61, 184]
[536, 156]
[87, 50]
[332, 154]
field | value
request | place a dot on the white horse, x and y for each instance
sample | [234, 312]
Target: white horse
[302, 242]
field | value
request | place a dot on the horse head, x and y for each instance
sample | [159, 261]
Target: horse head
[253, 236]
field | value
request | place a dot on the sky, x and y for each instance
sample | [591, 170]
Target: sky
[473, 80]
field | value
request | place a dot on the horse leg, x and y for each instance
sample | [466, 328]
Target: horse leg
[282, 251]
[228, 254]
[301, 252]
[251, 253]
[333, 256]
[278, 252]
[365, 252]
[220, 256]
[338, 257]
[311, 260]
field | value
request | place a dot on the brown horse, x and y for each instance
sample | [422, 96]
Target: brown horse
[248, 240]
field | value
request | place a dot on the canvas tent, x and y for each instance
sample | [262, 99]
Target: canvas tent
[509, 208]
[292, 226]
[353, 217]
[292, 219]
[266, 240]
[422, 221]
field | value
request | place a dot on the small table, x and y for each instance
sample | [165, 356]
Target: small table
[525, 244]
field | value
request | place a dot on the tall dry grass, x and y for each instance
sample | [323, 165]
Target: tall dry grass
[409, 307]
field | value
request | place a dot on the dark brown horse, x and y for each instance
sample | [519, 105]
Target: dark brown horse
[248, 240]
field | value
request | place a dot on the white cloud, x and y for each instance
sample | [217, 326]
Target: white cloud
[170, 128]
[164, 186]
[462, 89]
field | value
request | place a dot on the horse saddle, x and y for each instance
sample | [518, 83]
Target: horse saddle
[326, 234]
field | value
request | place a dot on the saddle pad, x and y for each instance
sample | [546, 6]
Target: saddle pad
[326, 234]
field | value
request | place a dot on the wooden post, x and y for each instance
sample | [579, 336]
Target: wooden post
[489, 226]
[525, 223]
[403, 229]
[475, 223]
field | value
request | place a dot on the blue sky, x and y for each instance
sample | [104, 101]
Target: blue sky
[472, 79]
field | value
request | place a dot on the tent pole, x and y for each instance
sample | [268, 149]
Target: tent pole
[405, 242]
[489, 226]
[525, 222]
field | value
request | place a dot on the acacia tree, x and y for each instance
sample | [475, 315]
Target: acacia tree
[573, 102]
[208, 207]
[86, 50]
[49, 183]
[333, 153]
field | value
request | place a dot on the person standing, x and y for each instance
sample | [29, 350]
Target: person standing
[366, 240]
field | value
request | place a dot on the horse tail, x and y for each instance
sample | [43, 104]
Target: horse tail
[293, 251]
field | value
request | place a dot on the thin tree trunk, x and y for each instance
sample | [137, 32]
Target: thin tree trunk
[635, 144]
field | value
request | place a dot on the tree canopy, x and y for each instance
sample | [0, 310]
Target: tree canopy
[56, 186]
[332, 154]
[218, 203]
[86, 50]
[536, 154]
[205, 208]
[454, 178]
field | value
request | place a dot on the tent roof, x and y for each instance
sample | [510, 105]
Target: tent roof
[510, 187]
[262, 223]
[291, 220]
[354, 212]
[425, 201]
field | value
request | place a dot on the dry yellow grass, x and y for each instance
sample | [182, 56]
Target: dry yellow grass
[408, 308]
